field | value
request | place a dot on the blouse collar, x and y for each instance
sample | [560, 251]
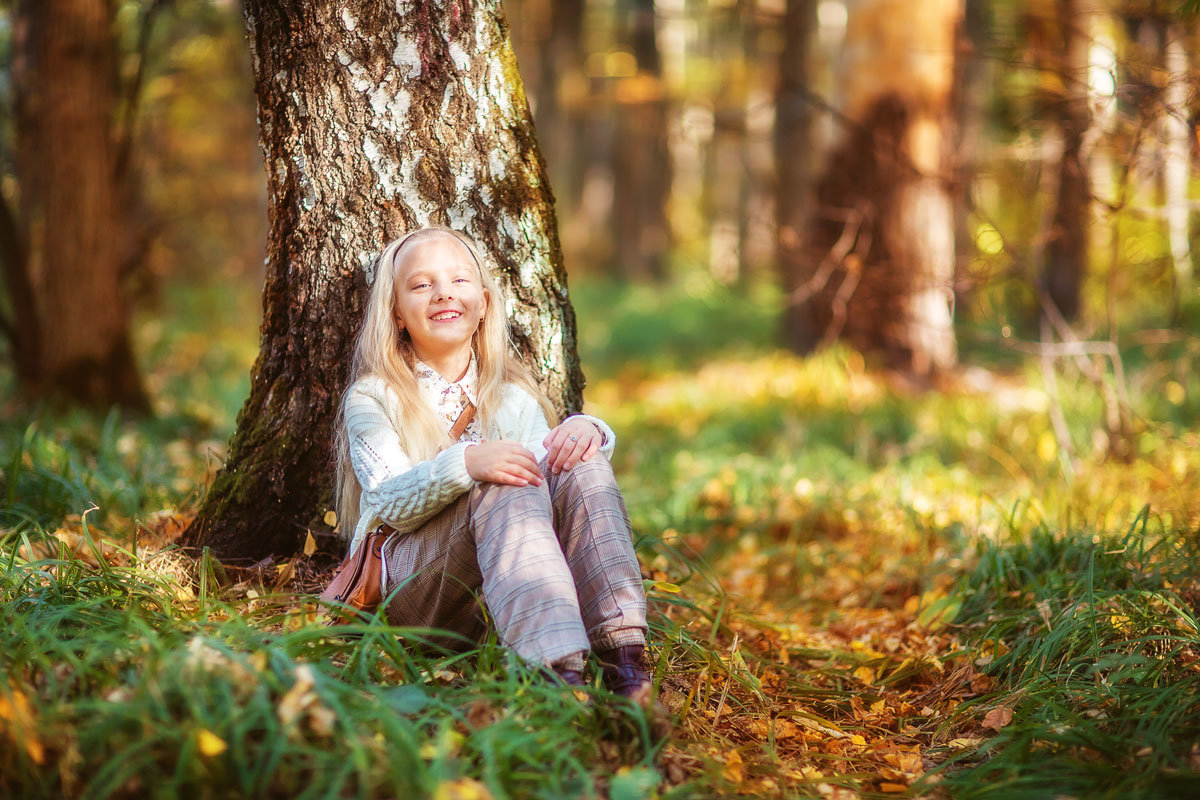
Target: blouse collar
[437, 389]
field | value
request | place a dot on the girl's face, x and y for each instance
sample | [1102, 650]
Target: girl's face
[440, 298]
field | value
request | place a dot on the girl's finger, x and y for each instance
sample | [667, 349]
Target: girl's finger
[591, 449]
[508, 478]
[525, 460]
[523, 465]
[559, 458]
[571, 457]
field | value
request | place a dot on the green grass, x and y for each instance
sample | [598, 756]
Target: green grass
[131, 678]
[885, 565]
[1099, 659]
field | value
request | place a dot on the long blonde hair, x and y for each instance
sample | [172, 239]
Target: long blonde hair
[383, 351]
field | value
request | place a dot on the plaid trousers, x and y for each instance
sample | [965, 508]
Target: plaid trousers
[555, 563]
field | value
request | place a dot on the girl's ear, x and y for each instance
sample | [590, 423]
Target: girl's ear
[487, 303]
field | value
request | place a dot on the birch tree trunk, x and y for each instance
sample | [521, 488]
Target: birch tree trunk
[878, 252]
[1177, 157]
[62, 259]
[375, 118]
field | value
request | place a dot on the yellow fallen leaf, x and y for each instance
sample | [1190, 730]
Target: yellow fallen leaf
[209, 743]
[892, 788]
[331, 519]
[461, 789]
[878, 706]
[286, 571]
[310, 544]
[663, 586]
[299, 697]
[16, 720]
[865, 674]
[733, 770]
[858, 740]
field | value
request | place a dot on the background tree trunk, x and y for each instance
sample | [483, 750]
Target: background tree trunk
[66, 263]
[878, 255]
[793, 140]
[373, 122]
[1177, 158]
[641, 159]
[1066, 251]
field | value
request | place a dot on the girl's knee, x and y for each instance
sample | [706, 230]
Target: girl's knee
[508, 500]
[597, 470]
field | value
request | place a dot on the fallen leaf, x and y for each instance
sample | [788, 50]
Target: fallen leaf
[209, 743]
[997, 718]
[286, 571]
[964, 742]
[733, 770]
[16, 719]
[331, 519]
[460, 788]
[893, 788]
[310, 544]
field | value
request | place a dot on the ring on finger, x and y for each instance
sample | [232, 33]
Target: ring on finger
[573, 438]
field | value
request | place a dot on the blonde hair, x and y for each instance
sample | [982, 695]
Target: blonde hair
[383, 351]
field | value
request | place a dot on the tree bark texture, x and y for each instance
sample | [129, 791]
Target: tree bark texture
[877, 257]
[64, 274]
[375, 119]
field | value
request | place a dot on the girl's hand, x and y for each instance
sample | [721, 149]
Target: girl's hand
[503, 461]
[571, 442]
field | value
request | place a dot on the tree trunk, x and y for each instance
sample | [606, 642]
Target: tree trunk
[1177, 157]
[71, 223]
[1066, 251]
[878, 254]
[562, 85]
[641, 158]
[793, 139]
[375, 121]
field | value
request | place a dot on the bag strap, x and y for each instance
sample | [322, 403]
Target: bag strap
[464, 419]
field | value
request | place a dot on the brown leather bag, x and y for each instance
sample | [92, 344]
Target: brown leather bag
[356, 583]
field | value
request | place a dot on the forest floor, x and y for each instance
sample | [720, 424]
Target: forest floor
[857, 589]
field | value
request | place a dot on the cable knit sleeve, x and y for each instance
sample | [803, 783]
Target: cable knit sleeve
[394, 489]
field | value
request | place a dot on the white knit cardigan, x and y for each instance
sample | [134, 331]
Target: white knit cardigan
[405, 494]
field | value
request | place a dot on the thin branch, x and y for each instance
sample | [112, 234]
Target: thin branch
[133, 92]
[835, 257]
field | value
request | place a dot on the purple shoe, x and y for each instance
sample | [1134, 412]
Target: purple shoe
[623, 672]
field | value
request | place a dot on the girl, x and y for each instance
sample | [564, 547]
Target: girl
[496, 500]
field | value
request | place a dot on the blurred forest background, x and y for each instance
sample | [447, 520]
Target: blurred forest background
[921, 182]
[893, 306]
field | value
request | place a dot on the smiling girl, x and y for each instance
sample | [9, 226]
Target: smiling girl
[445, 448]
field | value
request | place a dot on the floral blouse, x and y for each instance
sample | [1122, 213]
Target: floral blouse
[447, 399]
